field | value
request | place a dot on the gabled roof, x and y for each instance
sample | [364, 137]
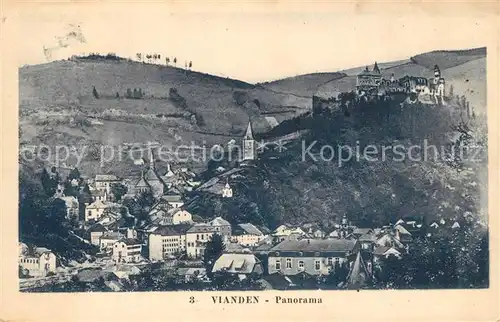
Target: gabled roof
[130, 241]
[151, 175]
[97, 228]
[172, 198]
[219, 221]
[316, 245]
[112, 235]
[198, 228]
[358, 275]
[236, 263]
[402, 230]
[250, 229]
[142, 183]
[106, 177]
[173, 230]
[249, 132]
[97, 204]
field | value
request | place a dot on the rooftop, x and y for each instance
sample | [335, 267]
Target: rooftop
[173, 230]
[236, 263]
[106, 177]
[316, 245]
[198, 228]
[249, 229]
[219, 221]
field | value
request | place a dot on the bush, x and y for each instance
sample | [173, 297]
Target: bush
[94, 92]
[240, 97]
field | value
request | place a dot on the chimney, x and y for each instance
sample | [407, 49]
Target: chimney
[308, 241]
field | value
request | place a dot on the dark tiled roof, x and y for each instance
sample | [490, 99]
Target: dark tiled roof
[173, 230]
[315, 245]
[130, 241]
[249, 229]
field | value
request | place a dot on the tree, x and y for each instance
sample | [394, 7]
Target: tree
[167, 61]
[139, 56]
[190, 64]
[74, 174]
[94, 92]
[175, 61]
[118, 190]
[49, 184]
[58, 210]
[213, 250]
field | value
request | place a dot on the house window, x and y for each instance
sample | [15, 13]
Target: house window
[301, 265]
[288, 263]
[202, 237]
[197, 237]
[278, 265]
[330, 261]
[337, 260]
[317, 265]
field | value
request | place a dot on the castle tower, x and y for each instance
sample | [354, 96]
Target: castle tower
[249, 152]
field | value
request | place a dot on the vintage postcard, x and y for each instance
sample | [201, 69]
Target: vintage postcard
[179, 161]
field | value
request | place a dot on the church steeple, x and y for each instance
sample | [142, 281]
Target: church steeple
[376, 69]
[249, 152]
[249, 132]
[151, 158]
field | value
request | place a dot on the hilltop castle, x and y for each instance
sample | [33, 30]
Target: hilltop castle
[372, 83]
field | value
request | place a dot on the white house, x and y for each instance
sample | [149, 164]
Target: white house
[247, 235]
[127, 250]
[105, 181]
[36, 262]
[180, 216]
[167, 241]
[222, 227]
[108, 239]
[96, 232]
[197, 237]
[95, 210]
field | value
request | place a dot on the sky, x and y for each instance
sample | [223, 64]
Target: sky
[253, 46]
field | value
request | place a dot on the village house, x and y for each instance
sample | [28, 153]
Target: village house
[127, 250]
[312, 256]
[197, 237]
[108, 239]
[36, 261]
[95, 210]
[167, 241]
[247, 235]
[222, 227]
[189, 274]
[102, 195]
[178, 216]
[174, 200]
[242, 265]
[105, 181]
[96, 231]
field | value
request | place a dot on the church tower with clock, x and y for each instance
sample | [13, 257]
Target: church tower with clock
[249, 150]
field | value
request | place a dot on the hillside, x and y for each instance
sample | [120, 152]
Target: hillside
[284, 188]
[464, 69]
[303, 85]
[57, 105]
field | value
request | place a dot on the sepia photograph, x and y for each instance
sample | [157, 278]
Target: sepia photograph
[250, 152]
